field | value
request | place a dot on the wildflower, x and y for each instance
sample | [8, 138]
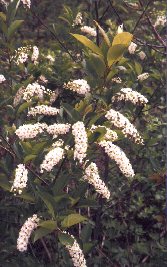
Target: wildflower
[132, 48]
[20, 181]
[50, 58]
[19, 96]
[30, 130]
[81, 140]
[127, 94]
[43, 79]
[21, 54]
[121, 122]
[161, 20]
[142, 55]
[76, 254]
[117, 80]
[52, 159]
[35, 89]
[43, 110]
[35, 54]
[120, 28]
[28, 227]
[92, 176]
[26, 3]
[78, 20]
[89, 30]
[116, 154]
[143, 76]
[57, 129]
[2, 78]
[80, 86]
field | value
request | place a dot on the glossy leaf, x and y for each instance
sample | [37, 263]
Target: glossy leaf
[72, 219]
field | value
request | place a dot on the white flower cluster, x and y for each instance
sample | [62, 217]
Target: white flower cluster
[35, 54]
[80, 86]
[58, 128]
[110, 135]
[142, 55]
[2, 78]
[20, 181]
[43, 110]
[26, 3]
[116, 154]
[76, 254]
[19, 96]
[52, 159]
[121, 122]
[117, 80]
[50, 58]
[25, 232]
[143, 76]
[30, 130]
[127, 94]
[35, 89]
[89, 30]
[78, 20]
[21, 54]
[92, 176]
[81, 140]
[161, 20]
[132, 48]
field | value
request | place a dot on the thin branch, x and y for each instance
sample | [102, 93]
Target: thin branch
[46, 249]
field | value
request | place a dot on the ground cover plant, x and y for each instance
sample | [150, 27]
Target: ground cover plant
[82, 133]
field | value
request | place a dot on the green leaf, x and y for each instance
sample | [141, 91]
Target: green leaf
[13, 27]
[49, 202]
[29, 158]
[23, 107]
[73, 114]
[97, 63]
[41, 232]
[138, 68]
[88, 43]
[72, 219]
[65, 239]
[115, 53]
[123, 38]
[2, 16]
[49, 224]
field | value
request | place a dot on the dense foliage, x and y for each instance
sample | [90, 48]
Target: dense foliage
[128, 228]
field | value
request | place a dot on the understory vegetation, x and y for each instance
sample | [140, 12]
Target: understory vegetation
[82, 133]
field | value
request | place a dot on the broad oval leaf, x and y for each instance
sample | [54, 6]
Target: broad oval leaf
[88, 43]
[41, 232]
[65, 239]
[49, 224]
[72, 219]
[115, 53]
[123, 38]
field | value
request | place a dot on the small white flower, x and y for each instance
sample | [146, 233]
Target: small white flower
[52, 159]
[28, 227]
[50, 58]
[142, 55]
[120, 28]
[78, 20]
[20, 181]
[35, 54]
[80, 86]
[2, 78]
[92, 176]
[26, 3]
[76, 254]
[117, 80]
[81, 140]
[19, 96]
[161, 20]
[110, 134]
[116, 154]
[121, 122]
[37, 90]
[30, 130]
[132, 48]
[127, 94]
[143, 76]
[89, 30]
